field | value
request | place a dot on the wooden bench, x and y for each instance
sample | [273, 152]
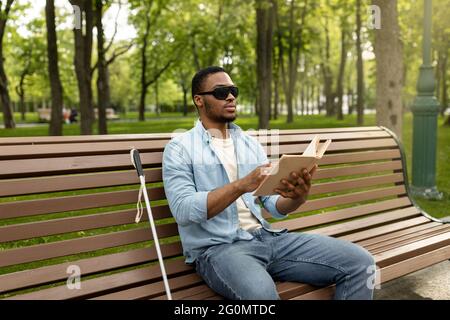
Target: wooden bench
[57, 210]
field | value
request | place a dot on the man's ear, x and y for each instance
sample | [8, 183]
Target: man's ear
[198, 100]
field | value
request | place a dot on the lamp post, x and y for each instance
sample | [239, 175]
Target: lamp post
[425, 110]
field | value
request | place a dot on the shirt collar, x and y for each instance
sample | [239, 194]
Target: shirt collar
[234, 129]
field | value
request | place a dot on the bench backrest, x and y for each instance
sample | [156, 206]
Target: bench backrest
[72, 200]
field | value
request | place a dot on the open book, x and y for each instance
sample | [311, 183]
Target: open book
[289, 163]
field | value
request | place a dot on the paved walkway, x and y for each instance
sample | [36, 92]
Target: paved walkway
[430, 283]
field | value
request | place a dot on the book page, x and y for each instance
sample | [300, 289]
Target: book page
[311, 149]
[289, 163]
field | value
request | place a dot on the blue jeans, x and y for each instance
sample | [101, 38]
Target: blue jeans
[246, 270]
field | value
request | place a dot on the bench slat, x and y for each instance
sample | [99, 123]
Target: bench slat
[15, 187]
[88, 266]
[71, 203]
[72, 224]
[376, 235]
[342, 214]
[406, 239]
[155, 136]
[83, 244]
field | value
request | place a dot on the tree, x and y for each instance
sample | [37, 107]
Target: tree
[82, 61]
[264, 30]
[158, 48]
[8, 118]
[389, 70]
[296, 21]
[55, 128]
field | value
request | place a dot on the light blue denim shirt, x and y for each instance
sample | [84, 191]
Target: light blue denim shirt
[191, 169]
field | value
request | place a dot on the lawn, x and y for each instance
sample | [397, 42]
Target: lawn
[168, 122]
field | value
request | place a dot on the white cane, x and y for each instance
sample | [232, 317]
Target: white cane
[136, 160]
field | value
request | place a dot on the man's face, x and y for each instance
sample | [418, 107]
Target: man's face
[217, 110]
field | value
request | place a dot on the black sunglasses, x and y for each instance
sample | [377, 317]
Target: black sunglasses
[221, 93]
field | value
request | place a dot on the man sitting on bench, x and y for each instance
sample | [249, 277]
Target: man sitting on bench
[209, 173]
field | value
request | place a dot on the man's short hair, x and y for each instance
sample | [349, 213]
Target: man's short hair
[200, 77]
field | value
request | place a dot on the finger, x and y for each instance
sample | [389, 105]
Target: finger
[307, 177]
[289, 186]
[302, 185]
[282, 193]
[292, 178]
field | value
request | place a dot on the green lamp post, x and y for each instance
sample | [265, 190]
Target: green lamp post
[425, 110]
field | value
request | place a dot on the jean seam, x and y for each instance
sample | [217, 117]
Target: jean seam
[223, 282]
[317, 262]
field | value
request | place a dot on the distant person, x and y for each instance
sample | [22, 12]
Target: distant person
[73, 115]
[209, 173]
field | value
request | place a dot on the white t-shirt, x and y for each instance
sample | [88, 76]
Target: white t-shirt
[225, 151]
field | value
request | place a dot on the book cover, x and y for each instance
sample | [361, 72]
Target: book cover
[288, 163]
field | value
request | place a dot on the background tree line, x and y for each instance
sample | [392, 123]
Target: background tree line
[288, 57]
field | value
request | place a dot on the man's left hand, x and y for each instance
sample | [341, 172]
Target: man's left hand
[297, 185]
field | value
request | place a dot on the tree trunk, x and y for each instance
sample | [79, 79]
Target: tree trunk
[444, 83]
[264, 32]
[83, 53]
[8, 118]
[56, 120]
[103, 89]
[340, 80]
[144, 85]
[157, 98]
[359, 67]
[328, 75]
[389, 71]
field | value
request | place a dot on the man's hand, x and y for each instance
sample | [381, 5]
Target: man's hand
[298, 185]
[251, 181]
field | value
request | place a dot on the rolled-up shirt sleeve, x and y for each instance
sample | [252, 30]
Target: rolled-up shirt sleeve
[185, 202]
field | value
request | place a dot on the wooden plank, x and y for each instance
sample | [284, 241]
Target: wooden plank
[152, 290]
[413, 226]
[372, 221]
[342, 214]
[407, 239]
[55, 166]
[88, 266]
[84, 244]
[416, 263]
[80, 223]
[412, 249]
[376, 235]
[16, 187]
[342, 146]
[351, 198]
[345, 185]
[348, 170]
[70, 203]
[115, 281]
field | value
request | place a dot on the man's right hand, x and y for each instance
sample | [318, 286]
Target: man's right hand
[251, 181]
